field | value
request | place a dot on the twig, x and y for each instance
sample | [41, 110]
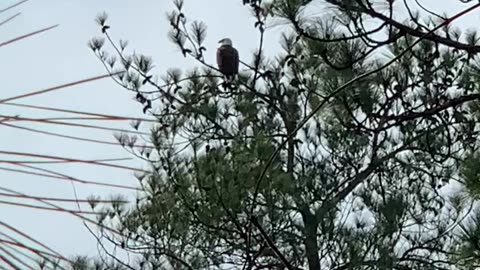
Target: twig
[270, 243]
[12, 6]
[58, 87]
[9, 19]
[27, 35]
[73, 160]
[64, 177]
[339, 90]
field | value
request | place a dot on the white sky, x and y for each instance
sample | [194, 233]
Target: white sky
[61, 55]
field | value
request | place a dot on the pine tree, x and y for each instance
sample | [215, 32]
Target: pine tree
[339, 153]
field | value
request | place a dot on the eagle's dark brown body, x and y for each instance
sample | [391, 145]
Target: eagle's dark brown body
[227, 60]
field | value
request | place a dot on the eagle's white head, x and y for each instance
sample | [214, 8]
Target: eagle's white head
[225, 42]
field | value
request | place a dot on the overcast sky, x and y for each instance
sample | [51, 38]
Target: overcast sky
[61, 56]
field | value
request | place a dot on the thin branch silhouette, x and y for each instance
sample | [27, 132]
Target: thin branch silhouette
[27, 35]
[12, 6]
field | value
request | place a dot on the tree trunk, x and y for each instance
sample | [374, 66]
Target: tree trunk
[311, 245]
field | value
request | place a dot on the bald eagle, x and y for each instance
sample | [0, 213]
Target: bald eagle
[227, 59]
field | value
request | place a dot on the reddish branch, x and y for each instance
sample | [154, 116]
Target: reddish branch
[69, 178]
[9, 19]
[50, 209]
[80, 112]
[27, 35]
[12, 6]
[72, 137]
[46, 121]
[59, 86]
[58, 199]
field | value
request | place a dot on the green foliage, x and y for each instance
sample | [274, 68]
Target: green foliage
[363, 184]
